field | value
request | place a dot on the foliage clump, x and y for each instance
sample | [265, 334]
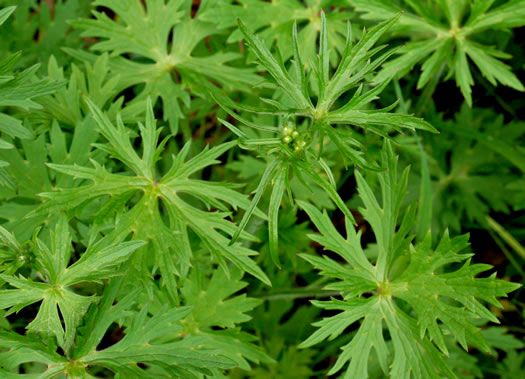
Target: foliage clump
[255, 189]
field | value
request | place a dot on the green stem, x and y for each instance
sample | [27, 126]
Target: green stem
[299, 294]
[506, 236]
[507, 253]
[515, 329]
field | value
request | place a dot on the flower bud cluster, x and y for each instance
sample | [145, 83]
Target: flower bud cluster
[292, 136]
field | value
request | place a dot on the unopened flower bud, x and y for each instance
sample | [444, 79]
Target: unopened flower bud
[287, 131]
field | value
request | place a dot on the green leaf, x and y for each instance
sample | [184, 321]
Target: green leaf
[424, 215]
[475, 153]
[139, 346]
[433, 65]
[266, 178]
[144, 218]
[384, 10]
[410, 55]
[498, 338]
[28, 349]
[155, 341]
[327, 187]
[48, 322]
[384, 218]
[94, 81]
[19, 90]
[463, 76]
[96, 264]
[427, 285]
[273, 22]
[352, 57]
[118, 138]
[42, 30]
[370, 120]
[434, 49]
[279, 182]
[508, 15]
[5, 13]
[275, 69]
[213, 301]
[145, 32]
[461, 285]
[349, 249]
[217, 309]
[492, 68]
[55, 291]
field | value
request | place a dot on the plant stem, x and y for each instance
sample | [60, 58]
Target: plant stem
[300, 294]
[515, 329]
[506, 236]
[509, 256]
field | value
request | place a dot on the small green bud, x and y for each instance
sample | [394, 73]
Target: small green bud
[299, 145]
[288, 128]
[287, 139]
[287, 131]
[295, 134]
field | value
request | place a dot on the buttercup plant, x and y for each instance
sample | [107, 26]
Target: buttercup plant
[254, 189]
[423, 284]
[300, 147]
[273, 20]
[446, 39]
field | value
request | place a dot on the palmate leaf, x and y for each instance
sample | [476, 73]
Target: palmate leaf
[148, 340]
[295, 148]
[440, 299]
[98, 262]
[213, 302]
[41, 29]
[444, 40]
[176, 357]
[475, 153]
[30, 174]
[273, 21]
[217, 311]
[28, 349]
[17, 89]
[154, 341]
[355, 65]
[145, 32]
[27, 165]
[26, 168]
[94, 81]
[349, 74]
[169, 246]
